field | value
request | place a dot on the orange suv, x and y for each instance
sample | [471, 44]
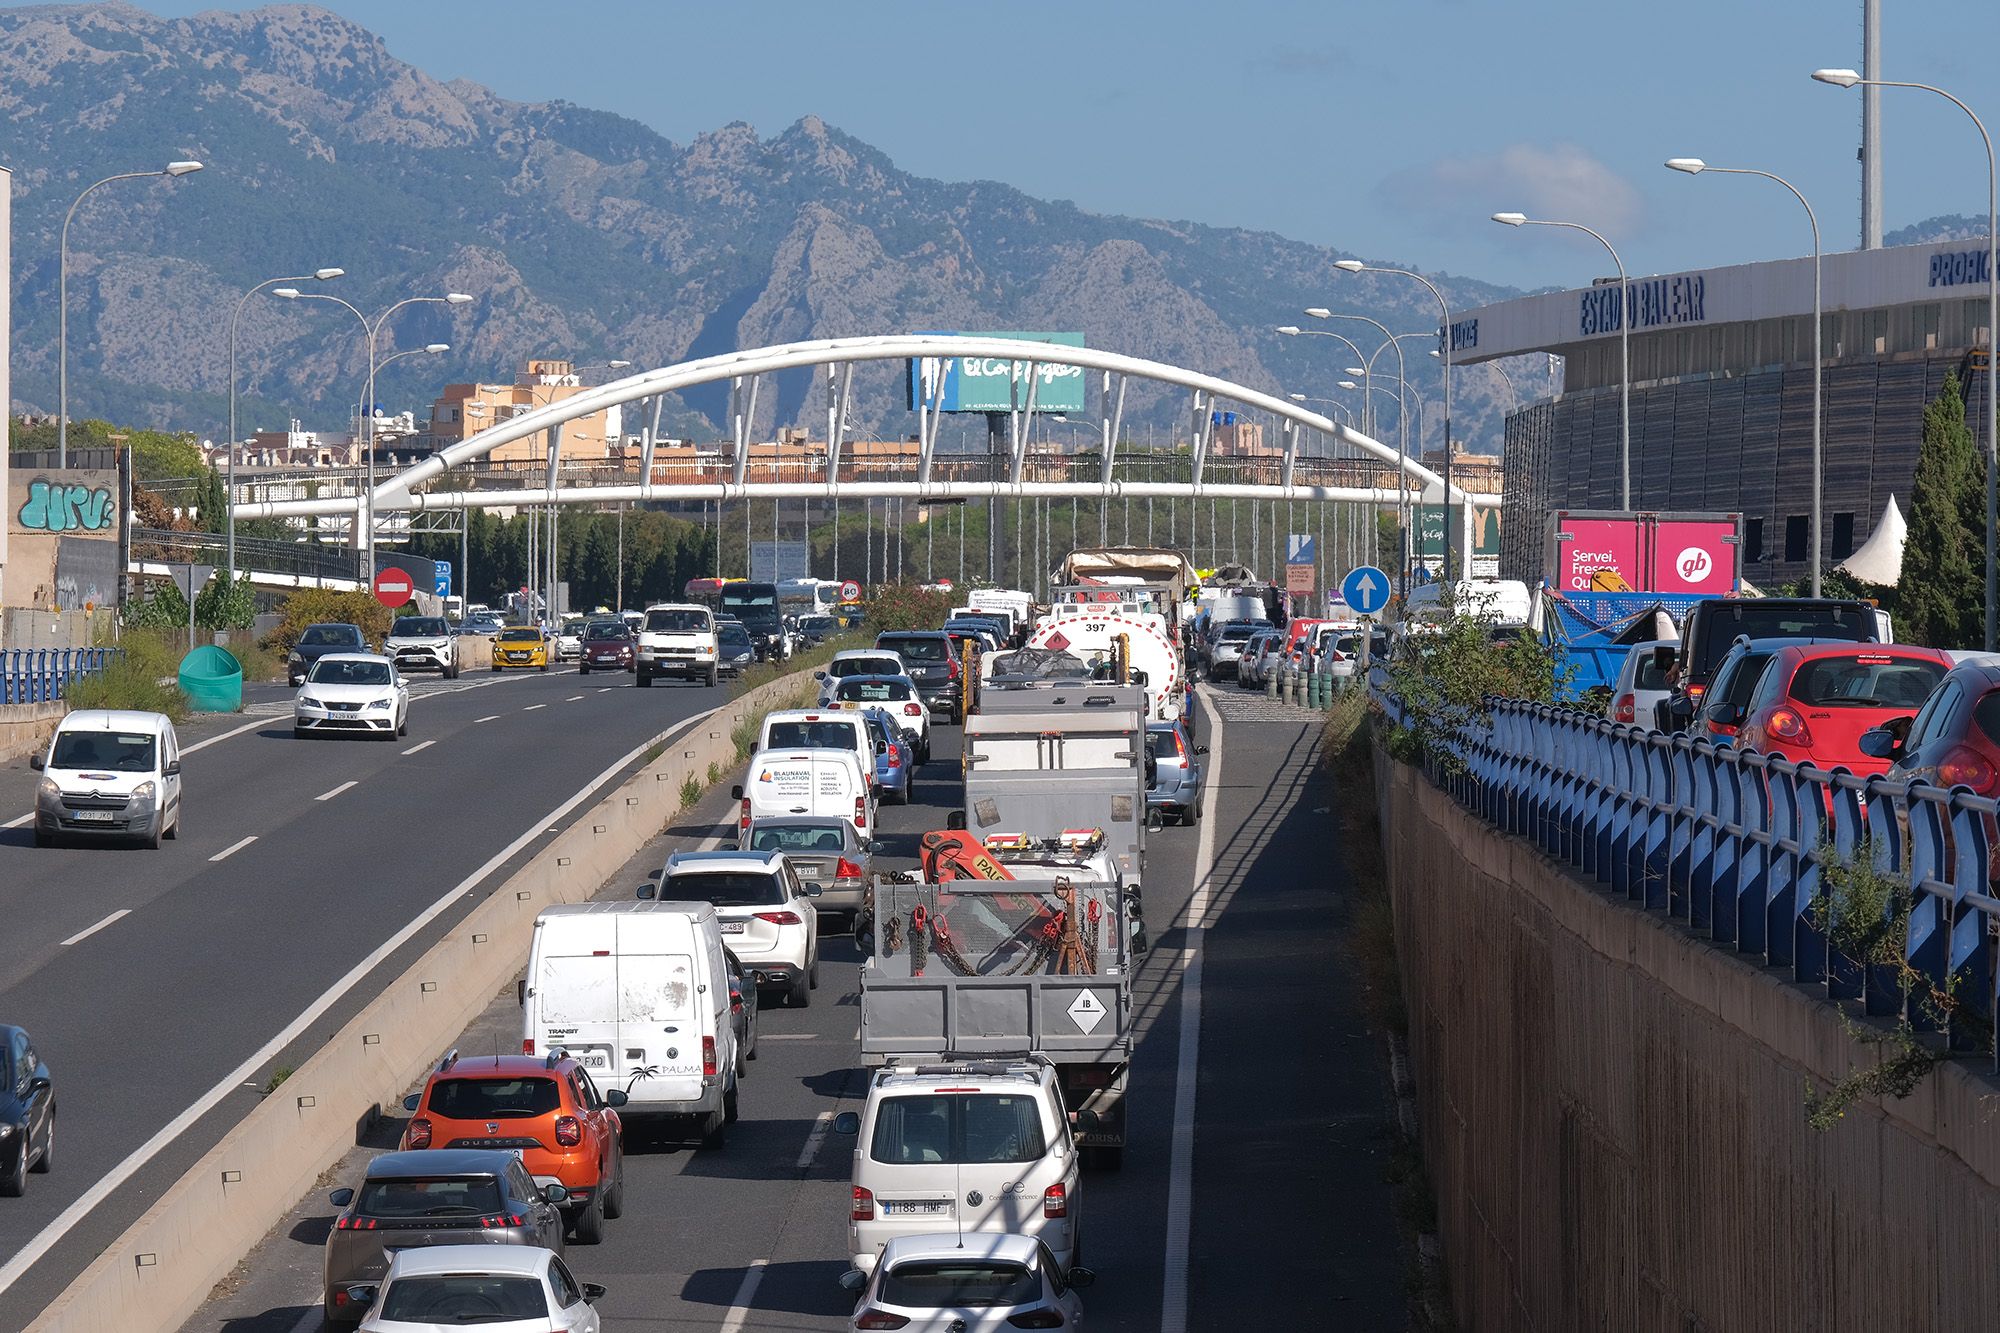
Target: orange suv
[546, 1111]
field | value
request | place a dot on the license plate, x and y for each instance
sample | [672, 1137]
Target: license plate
[914, 1207]
[94, 816]
[732, 927]
[596, 1060]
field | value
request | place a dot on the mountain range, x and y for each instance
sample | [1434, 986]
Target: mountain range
[580, 234]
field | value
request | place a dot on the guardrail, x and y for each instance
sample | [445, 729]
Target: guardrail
[309, 560]
[38, 675]
[1732, 842]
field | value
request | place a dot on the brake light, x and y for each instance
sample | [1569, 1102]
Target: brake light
[1055, 1201]
[1036, 1319]
[1626, 709]
[708, 1057]
[911, 710]
[860, 812]
[781, 918]
[862, 1209]
[846, 869]
[420, 1133]
[952, 662]
[354, 1224]
[1180, 746]
[527, 1045]
[569, 1131]
[880, 1319]
[1694, 692]
[895, 756]
[742, 824]
[1788, 725]
[1966, 767]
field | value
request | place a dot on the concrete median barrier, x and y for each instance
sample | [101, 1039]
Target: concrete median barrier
[157, 1273]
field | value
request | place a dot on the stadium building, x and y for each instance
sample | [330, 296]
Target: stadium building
[1722, 394]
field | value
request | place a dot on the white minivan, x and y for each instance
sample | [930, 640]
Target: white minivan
[110, 773]
[826, 782]
[639, 993]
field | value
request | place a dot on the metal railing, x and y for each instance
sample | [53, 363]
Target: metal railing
[311, 560]
[38, 675]
[1736, 845]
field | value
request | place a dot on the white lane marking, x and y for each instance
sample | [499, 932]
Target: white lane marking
[606, 689]
[233, 848]
[789, 1036]
[821, 1124]
[572, 699]
[329, 795]
[491, 717]
[532, 707]
[17, 823]
[420, 745]
[1180, 1179]
[739, 1311]
[51, 1235]
[88, 931]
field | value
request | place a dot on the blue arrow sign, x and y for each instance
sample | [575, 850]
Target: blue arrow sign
[1365, 589]
[441, 579]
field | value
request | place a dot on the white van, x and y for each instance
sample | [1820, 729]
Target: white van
[110, 773]
[639, 993]
[814, 729]
[676, 639]
[828, 783]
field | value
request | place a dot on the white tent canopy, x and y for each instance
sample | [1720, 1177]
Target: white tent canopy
[1880, 559]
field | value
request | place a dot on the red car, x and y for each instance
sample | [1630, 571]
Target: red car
[1813, 702]
[608, 645]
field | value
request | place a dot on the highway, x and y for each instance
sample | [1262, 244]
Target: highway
[166, 987]
[1256, 1181]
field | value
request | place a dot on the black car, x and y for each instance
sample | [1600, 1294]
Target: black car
[929, 659]
[742, 1012]
[319, 640]
[818, 629]
[734, 652]
[27, 1112]
[1713, 626]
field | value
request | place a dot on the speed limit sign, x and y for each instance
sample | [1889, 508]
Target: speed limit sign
[850, 591]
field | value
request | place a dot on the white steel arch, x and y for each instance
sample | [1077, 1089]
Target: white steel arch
[397, 492]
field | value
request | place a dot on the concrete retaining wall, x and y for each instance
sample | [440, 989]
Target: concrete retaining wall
[1612, 1111]
[26, 728]
[157, 1274]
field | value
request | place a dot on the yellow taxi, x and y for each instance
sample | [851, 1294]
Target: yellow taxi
[521, 646]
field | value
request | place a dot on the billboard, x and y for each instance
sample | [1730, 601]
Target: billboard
[774, 562]
[1667, 553]
[994, 384]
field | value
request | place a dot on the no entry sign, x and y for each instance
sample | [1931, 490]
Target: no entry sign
[393, 587]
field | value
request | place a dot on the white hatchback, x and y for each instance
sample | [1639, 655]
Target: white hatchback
[856, 662]
[767, 917]
[355, 693]
[450, 1286]
[1641, 683]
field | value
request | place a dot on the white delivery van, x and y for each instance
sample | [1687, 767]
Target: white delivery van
[828, 783]
[639, 993]
[814, 729]
[109, 773]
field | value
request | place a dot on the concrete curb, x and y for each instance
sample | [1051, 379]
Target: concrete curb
[26, 728]
[157, 1274]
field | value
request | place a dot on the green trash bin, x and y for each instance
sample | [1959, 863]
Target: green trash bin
[212, 679]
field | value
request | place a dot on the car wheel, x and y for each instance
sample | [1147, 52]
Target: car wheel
[729, 1104]
[451, 672]
[711, 677]
[496, 668]
[799, 996]
[47, 1161]
[583, 668]
[544, 666]
[403, 727]
[614, 1198]
[742, 1056]
[714, 1130]
[15, 1183]
[812, 971]
[589, 1226]
[645, 681]
[174, 829]
[44, 839]
[152, 838]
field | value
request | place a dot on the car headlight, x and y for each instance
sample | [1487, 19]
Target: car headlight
[307, 701]
[379, 703]
[144, 794]
[5, 1130]
[48, 792]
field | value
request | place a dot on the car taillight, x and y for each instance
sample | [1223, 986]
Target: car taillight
[952, 662]
[1787, 724]
[1037, 1319]
[846, 869]
[1625, 709]
[708, 1057]
[1966, 767]
[1055, 1201]
[354, 1224]
[863, 1207]
[420, 1133]
[527, 1045]
[781, 918]
[1694, 692]
[1180, 746]
[911, 710]
[895, 756]
[569, 1131]
[881, 1319]
[860, 812]
[743, 816]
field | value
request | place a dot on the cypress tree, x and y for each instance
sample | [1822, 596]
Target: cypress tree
[1940, 597]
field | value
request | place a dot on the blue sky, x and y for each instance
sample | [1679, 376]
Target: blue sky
[1389, 129]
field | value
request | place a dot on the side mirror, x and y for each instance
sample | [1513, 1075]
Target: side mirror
[172, 770]
[414, 1100]
[37, 763]
[853, 1280]
[732, 846]
[847, 1122]
[872, 846]
[1727, 715]
[955, 820]
[1201, 749]
[1086, 1119]
[594, 1291]
[1882, 743]
[555, 1193]
[520, 997]
[1076, 1277]
[1155, 821]
[753, 747]
[1681, 706]
[815, 890]
[616, 1097]
[341, 1197]
[361, 1294]
[646, 891]
[736, 792]
[819, 675]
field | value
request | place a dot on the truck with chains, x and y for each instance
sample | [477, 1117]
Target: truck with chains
[1011, 945]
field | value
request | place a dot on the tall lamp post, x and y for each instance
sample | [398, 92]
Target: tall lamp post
[373, 330]
[1694, 166]
[1367, 413]
[62, 296]
[1847, 78]
[320, 275]
[1624, 345]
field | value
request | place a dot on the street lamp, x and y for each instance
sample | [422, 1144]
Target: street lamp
[1694, 166]
[1847, 78]
[62, 297]
[1624, 344]
[1294, 331]
[319, 275]
[368, 423]
[1334, 403]
[1390, 340]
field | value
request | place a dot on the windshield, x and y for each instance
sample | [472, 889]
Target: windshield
[494, 1098]
[1160, 744]
[867, 690]
[121, 752]
[463, 1298]
[958, 1127]
[451, 1196]
[733, 635]
[677, 622]
[420, 627]
[520, 635]
[864, 666]
[819, 624]
[320, 636]
[937, 1284]
[749, 597]
[1235, 632]
[336, 672]
[604, 629]
[829, 837]
[918, 650]
[812, 736]
[1646, 673]
[1866, 679]
[728, 888]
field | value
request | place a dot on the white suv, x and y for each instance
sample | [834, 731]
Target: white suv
[677, 639]
[422, 643]
[767, 917]
[970, 1146]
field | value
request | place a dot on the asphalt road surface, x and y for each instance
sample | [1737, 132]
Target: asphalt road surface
[165, 987]
[1270, 1206]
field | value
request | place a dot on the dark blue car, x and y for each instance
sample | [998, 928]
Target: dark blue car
[27, 1112]
[895, 757]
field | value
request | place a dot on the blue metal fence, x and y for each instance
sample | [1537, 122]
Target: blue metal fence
[36, 675]
[1730, 842]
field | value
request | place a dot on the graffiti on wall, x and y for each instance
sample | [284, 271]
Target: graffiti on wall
[59, 506]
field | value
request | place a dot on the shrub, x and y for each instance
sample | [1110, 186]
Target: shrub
[141, 678]
[313, 606]
[908, 606]
[1444, 674]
